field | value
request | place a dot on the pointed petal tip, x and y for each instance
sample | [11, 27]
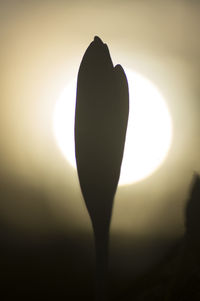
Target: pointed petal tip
[118, 67]
[97, 40]
[120, 70]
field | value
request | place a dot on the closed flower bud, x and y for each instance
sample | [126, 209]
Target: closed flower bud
[102, 106]
[100, 127]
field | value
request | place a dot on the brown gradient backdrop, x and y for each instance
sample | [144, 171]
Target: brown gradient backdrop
[42, 43]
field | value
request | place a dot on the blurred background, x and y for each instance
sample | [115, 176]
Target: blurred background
[43, 218]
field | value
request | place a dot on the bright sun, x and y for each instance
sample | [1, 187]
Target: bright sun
[149, 132]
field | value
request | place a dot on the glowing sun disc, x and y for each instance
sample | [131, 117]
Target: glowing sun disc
[149, 132]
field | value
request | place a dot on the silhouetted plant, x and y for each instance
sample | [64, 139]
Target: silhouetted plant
[102, 106]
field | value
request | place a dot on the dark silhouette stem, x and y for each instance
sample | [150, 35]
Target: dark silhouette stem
[101, 248]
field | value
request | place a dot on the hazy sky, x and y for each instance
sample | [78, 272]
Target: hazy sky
[42, 43]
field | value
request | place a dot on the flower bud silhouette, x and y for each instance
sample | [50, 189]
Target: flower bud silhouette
[101, 117]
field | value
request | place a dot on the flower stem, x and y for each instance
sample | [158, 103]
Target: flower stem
[101, 248]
